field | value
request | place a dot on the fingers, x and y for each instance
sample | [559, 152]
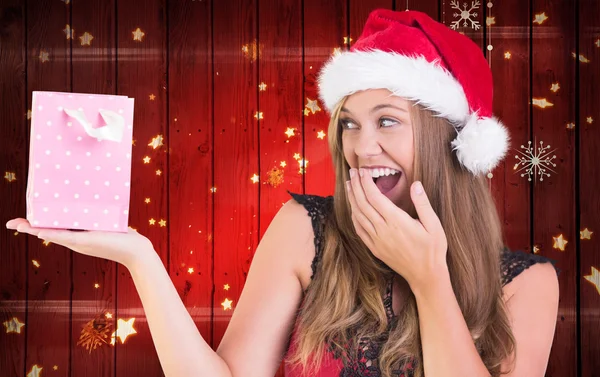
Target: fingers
[357, 214]
[382, 205]
[427, 215]
[362, 203]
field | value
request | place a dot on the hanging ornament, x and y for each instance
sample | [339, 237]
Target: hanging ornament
[275, 177]
[94, 333]
[466, 16]
[535, 162]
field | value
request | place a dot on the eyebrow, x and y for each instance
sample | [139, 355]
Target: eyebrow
[378, 107]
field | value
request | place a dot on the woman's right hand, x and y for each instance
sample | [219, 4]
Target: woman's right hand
[123, 248]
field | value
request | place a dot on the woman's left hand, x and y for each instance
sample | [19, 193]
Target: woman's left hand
[415, 249]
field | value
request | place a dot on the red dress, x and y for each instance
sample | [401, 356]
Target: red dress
[364, 362]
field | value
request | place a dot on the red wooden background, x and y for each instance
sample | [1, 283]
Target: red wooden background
[222, 82]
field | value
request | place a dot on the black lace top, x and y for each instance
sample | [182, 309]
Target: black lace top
[365, 361]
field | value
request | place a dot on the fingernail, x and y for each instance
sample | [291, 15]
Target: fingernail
[418, 188]
[352, 173]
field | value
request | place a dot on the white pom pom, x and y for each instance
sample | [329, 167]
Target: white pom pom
[481, 144]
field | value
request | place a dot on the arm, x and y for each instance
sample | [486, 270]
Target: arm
[254, 341]
[449, 350]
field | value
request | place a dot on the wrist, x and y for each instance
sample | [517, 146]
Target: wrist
[436, 283]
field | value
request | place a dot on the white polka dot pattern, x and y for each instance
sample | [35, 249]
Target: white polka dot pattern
[76, 182]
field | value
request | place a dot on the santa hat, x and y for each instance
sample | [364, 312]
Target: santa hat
[423, 60]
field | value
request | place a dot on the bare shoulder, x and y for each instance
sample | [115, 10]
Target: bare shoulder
[540, 278]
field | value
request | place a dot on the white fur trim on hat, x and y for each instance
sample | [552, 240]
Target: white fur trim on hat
[481, 143]
[412, 78]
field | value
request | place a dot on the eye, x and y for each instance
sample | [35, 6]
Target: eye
[346, 124]
[389, 121]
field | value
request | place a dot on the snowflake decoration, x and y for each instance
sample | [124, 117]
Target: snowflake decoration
[466, 15]
[535, 162]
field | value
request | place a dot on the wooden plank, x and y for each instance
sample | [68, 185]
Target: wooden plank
[359, 12]
[236, 159]
[49, 285]
[190, 159]
[141, 74]
[431, 7]
[324, 28]
[589, 180]
[509, 61]
[94, 279]
[280, 69]
[553, 42]
[13, 160]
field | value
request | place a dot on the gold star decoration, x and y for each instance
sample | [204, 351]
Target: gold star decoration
[585, 234]
[96, 285]
[251, 51]
[124, 330]
[29, 114]
[262, 87]
[152, 97]
[147, 200]
[86, 39]
[559, 243]
[156, 142]
[507, 55]
[570, 126]
[254, 178]
[146, 160]
[13, 325]
[296, 156]
[312, 105]
[9, 176]
[540, 18]
[55, 367]
[536, 249]
[542, 103]
[306, 112]
[336, 51]
[303, 164]
[191, 270]
[162, 223]
[590, 120]
[133, 142]
[347, 40]
[594, 278]
[44, 56]
[582, 58]
[68, 31]
[227, 304]
[490, 21]
[555, 87]
[152, 221]
[108, 315]
[226, 287]
[597, 43]
[321, 135]
[94, 333]
[275, 177]
[282, 164]
[36, 263]
[35, 371]
[213, 189]
[158, 172]
[46, 243]
[289, 132]
[258, 115]
[138, 35]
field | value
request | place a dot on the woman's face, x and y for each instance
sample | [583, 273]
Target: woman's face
[377, 134]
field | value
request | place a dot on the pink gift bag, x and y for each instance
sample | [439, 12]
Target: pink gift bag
[80, 161]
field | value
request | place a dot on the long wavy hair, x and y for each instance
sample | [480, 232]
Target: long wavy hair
[343, 302]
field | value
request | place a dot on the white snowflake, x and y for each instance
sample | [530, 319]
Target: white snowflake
[465, 15]
[535, 162]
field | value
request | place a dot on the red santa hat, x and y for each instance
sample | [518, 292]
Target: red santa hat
[420, 59]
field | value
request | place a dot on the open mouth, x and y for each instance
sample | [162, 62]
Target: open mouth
[386, 183]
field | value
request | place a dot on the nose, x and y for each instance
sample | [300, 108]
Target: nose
[367, 144]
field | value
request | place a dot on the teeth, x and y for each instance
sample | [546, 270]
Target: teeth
[376, 173]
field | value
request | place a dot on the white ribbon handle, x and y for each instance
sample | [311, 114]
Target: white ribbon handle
[113, 130]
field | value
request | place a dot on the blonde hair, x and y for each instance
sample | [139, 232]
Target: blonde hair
[346, 293]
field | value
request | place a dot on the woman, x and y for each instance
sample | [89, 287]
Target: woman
[402, 272]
